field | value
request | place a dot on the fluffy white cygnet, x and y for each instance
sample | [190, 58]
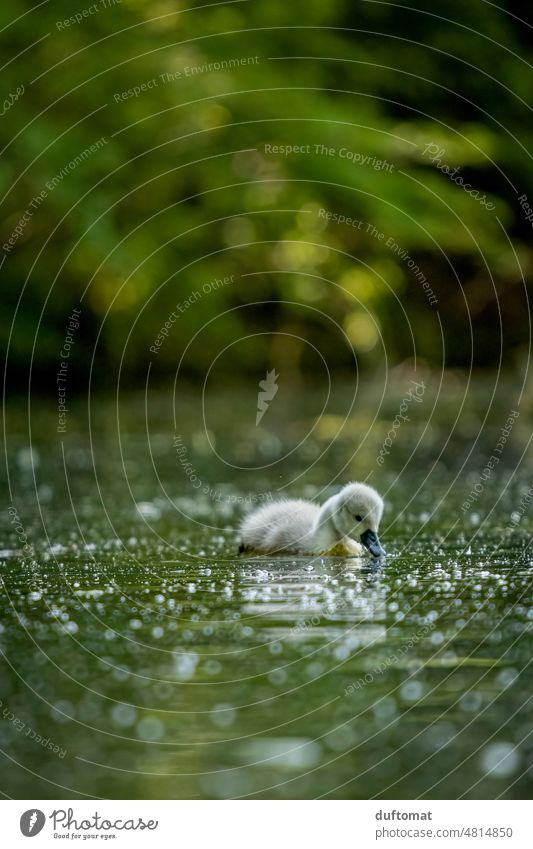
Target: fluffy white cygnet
[301, 527]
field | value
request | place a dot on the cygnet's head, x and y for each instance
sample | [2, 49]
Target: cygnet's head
[358, 514]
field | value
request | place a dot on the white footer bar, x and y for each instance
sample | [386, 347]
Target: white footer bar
[267, 824]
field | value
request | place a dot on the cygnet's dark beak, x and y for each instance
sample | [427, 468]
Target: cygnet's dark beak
[371, 541]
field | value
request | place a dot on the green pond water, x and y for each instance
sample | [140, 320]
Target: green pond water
[141, 657]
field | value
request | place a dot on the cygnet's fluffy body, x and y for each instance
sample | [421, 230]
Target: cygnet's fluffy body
[300, 527]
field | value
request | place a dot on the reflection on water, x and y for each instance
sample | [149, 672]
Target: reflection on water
[144, 658]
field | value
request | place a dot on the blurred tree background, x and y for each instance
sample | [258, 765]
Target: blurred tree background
[187, 186]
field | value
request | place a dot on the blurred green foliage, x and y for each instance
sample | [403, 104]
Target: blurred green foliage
[183, 190]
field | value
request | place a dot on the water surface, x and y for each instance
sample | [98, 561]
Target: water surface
[143, 658]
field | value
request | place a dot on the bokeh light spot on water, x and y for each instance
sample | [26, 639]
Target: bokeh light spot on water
[500, 760]
[123, 716]
[287, 753]
[150, 728]
[223, 715]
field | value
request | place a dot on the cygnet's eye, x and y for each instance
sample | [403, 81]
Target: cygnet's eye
[358, 518]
